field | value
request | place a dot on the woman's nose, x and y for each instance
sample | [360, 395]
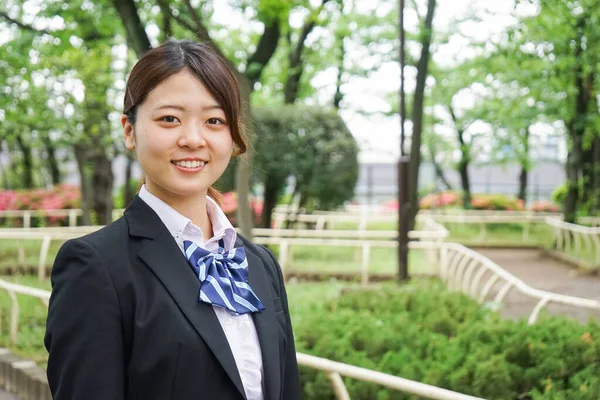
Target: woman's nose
[193, 136]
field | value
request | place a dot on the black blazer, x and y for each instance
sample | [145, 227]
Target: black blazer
[124, 321]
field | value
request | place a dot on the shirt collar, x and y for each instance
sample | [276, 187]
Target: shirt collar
[177, 223]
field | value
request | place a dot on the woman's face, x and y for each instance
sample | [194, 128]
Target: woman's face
[181, 137]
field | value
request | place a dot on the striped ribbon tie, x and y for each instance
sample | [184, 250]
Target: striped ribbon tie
[223, 278]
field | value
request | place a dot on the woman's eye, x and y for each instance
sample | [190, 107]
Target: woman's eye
[215, 121]
[170, 119]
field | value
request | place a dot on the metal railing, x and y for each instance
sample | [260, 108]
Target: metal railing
[577, 241]
[13, 290]
[465, 270]
[26, 215]
[363, 241]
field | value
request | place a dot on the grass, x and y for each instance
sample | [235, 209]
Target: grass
[503, 234]
[9, 252]
[349, 260]
[32, 321]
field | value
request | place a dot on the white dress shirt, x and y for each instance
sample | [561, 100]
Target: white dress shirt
[239, 329]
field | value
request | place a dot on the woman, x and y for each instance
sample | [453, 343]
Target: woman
[168, 302]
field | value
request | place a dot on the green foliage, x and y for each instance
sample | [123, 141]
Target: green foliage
[560, 194]
[423, 332]
[314, 146]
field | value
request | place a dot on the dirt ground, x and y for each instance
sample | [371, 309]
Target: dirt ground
[544, 273]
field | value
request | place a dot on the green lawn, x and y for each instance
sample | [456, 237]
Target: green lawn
[9, 252]
[32, 321]
[499, 234]
[349, 260]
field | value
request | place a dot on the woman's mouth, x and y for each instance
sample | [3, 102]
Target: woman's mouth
[189, 166]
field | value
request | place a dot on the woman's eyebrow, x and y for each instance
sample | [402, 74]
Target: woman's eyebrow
[182, 108]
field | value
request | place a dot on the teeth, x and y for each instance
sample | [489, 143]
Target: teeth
[189, 164]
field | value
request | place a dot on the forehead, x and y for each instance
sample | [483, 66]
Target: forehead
[181, 89]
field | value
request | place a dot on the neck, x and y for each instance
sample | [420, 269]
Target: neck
[192, 207]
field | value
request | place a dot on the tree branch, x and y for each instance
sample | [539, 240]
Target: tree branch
[264, 51]
[136, 34]
[21, 25]
[201, 31]
[293, 81]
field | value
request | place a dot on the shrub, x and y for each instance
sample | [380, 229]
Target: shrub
[545, 206]
[423, 332]
[62, 196]
[440, 200]
[499, 202]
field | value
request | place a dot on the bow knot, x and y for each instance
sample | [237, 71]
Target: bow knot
[223, 278]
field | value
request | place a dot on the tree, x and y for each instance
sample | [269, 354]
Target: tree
[426, 33]
[569, 56]
[312, 146]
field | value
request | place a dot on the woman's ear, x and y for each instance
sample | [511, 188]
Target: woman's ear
[128, 133]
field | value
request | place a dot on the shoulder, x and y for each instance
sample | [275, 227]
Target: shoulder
[105, 238]
[107, 242]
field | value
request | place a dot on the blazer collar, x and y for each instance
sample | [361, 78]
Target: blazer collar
[163, 256]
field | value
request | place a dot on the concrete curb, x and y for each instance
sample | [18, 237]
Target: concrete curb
[22, 377]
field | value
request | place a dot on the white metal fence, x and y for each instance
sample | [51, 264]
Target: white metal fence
[465, 270]
[580, 242]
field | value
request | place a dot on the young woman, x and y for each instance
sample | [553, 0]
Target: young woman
[168, 302]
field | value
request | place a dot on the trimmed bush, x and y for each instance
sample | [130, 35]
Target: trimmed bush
[423, 332]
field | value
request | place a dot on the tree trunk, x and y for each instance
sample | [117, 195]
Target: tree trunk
[52, 163]
[439, 172]
[584, 86]
[417, 112]
[338, 96]
[296, 67]
[27, 177]
[102, 181]
[463, 171]
[523, 184]
[573, 167]
[242, 172]
[523, 176]
[136, 34]
[81, 157]
[273, 187]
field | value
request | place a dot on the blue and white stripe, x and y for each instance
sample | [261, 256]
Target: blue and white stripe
[223, 278]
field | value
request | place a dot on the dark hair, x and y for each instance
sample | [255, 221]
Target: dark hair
[202, 61]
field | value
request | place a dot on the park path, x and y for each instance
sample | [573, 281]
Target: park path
[7, 396]
[545, 273]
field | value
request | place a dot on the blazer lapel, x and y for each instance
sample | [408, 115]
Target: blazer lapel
[164, 257]
[266, 324]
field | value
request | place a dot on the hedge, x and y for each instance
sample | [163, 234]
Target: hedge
[423, 332]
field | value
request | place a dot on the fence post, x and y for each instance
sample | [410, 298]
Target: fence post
[283, 253]
[72, 218]
[43, 256]
[27, 219]
[366, 256]
[14, 317]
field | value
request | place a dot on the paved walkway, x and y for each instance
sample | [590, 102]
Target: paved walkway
[6, 396]
[545, 273]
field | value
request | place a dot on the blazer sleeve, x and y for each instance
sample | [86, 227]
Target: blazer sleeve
[83, 330]
[291, 377]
